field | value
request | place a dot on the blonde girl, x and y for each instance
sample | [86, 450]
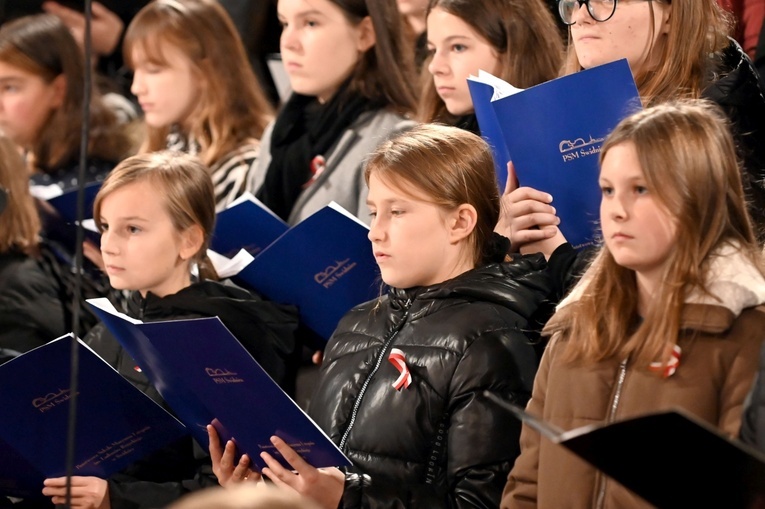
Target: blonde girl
[197, 89]
[669, 314]
[156, 215]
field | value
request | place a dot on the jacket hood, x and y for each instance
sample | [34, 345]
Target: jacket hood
[733, 284]
[250, 318]
[521, 285]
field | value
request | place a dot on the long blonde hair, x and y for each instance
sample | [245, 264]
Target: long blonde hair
[232, 109]
[697, 30]
[187, 190]
[688, 159]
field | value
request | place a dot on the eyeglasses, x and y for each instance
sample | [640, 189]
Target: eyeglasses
[600, 10]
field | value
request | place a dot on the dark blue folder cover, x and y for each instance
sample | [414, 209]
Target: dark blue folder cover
[554, 132]
[324, 265]
[116, 424]
[246, 225]
[207, 376]
[491, 129]
[66, 203]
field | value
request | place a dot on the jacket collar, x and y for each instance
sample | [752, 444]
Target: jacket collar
[521, 286]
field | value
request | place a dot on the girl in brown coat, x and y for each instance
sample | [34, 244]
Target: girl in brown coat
[670, 313]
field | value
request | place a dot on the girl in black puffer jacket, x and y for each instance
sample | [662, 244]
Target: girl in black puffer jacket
[403, 377]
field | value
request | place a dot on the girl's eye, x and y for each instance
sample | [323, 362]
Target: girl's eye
[641, 190]
[373, 214]
[459, 48]
[133, 229]
[311, 23]
[104, 227]
[396, 212]
[606, 191]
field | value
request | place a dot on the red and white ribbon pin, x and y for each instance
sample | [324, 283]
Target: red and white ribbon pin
[668, 370]
[404, 379]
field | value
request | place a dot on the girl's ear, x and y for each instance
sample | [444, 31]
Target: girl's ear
[191, 241]
[666, 14]
[59, 90]
[462, 222]
[367, 37]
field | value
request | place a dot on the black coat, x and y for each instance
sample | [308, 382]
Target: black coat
[31, 311]
[264, 328]
[440, 442]
[737, 89]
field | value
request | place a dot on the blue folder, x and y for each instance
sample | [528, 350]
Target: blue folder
[116, 423]
[553, 133]
[324, 265]
[207, 376]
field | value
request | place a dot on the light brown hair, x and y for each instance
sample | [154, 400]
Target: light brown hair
[19, 222]
[687, 156]
[42, 45]
[451, 167]
[232, 108]
[184, 182]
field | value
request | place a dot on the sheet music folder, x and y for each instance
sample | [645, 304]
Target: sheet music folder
[670, 458]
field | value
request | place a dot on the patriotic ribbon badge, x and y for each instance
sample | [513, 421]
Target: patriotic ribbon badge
[404, 379]
[668, 370]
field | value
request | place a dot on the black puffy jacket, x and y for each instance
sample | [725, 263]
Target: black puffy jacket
[264, 328]
[440, 442]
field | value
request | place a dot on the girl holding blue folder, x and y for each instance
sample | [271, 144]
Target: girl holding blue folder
[670, 313]
[677, 49]
[156, 216]
[402, 384]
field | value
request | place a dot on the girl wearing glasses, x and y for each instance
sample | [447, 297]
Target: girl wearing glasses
[669, 314]
[676, 49]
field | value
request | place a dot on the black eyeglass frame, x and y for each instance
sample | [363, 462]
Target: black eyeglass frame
[589, 10]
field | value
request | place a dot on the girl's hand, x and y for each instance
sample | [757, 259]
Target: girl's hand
[87, 492]
[324, 485]
[527, 218]
[228, 473]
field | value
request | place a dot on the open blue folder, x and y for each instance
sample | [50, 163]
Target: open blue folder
[553, 133]
[324, 265]
[206, 376]
[116, 425]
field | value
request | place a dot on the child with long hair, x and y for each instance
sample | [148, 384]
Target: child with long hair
[42, 93]
[516, 40]
[31, 311]
[352, 76]
[678, 49]
[197, 89]
[156, 214]
[670, 312]
[455, 319]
